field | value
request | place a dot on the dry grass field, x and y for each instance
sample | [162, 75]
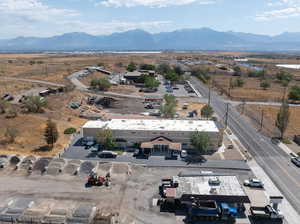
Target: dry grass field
[271, 114]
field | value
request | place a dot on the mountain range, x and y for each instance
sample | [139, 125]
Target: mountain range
[140, 40]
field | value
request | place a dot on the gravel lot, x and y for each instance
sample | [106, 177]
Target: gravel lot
[64, 197]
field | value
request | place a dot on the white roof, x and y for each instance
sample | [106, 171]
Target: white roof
[155, 125]
[200, 185]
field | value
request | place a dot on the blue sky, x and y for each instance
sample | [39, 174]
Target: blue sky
[53, 17]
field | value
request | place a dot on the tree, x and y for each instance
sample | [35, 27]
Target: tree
[51, 133]
[265, 84]
[168, 110]
[283, 117]
[102, 84]
[294, 93]
[11, 134]
[178, 70]
[131, 67]
[237, 71]
[35, 103]
[151, 82]
[207, 111]
[200, 141]
[172, 76]
[147, 67]
[239, 82]
[281, 76]
[163, 68]
[106, 139]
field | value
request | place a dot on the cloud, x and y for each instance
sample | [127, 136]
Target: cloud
[35, 18]
[286, 9]
[151, 3]
[33, 10]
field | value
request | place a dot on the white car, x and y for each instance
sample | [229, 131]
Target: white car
[183, 154]
[254, 183]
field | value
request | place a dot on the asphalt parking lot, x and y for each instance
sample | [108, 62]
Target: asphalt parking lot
[180, 91]
[78, 152]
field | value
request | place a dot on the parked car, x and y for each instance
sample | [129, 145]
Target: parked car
[171, 157]
[107, 154]
[254, 183]
[183, 154]
[230, 147]
[296, 161]
[136, 153]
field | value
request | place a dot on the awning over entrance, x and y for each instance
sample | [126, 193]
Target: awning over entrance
[161, 141]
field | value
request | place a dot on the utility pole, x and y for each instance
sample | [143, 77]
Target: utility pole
[262, 120]
[230, 83]
[243, 106]
[226, 115]
[209, 95]
[284, 93]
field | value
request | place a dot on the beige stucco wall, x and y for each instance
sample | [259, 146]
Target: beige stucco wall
[144, 136]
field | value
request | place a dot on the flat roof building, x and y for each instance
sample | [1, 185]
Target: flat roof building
[128, 132]
[216, 187]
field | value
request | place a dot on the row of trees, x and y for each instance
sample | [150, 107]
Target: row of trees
[133, 66]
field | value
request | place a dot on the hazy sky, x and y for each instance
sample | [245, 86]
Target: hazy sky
[52, 17]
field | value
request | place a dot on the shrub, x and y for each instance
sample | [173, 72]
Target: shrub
[265, 85]
[69, 131]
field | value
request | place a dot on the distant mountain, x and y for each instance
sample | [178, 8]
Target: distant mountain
[186, 39]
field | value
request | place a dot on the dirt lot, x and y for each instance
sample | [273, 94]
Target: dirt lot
[129, 197]
[30, 127]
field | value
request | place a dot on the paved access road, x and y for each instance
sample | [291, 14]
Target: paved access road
[275, 162]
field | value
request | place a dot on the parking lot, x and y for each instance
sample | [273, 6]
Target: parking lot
[180, 90]
[59, 194]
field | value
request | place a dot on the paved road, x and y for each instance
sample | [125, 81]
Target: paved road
[275, 162]
[33, 81]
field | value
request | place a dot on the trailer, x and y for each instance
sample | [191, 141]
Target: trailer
[267, 212]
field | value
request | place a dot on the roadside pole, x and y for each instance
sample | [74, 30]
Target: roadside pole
[262, 120]
[226, 115]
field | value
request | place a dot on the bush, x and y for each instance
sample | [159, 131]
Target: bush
[286, 141]
[265, 85]
[294, 93]
[69, 131]
[102, 84]
[239, 82]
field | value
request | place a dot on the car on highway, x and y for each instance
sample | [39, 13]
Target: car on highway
[107, 154]
[296, 161]
[254, 183]
[275, 141]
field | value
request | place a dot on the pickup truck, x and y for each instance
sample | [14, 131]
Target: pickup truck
[267, 212]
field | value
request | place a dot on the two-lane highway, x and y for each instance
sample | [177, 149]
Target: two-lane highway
[270, 157]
